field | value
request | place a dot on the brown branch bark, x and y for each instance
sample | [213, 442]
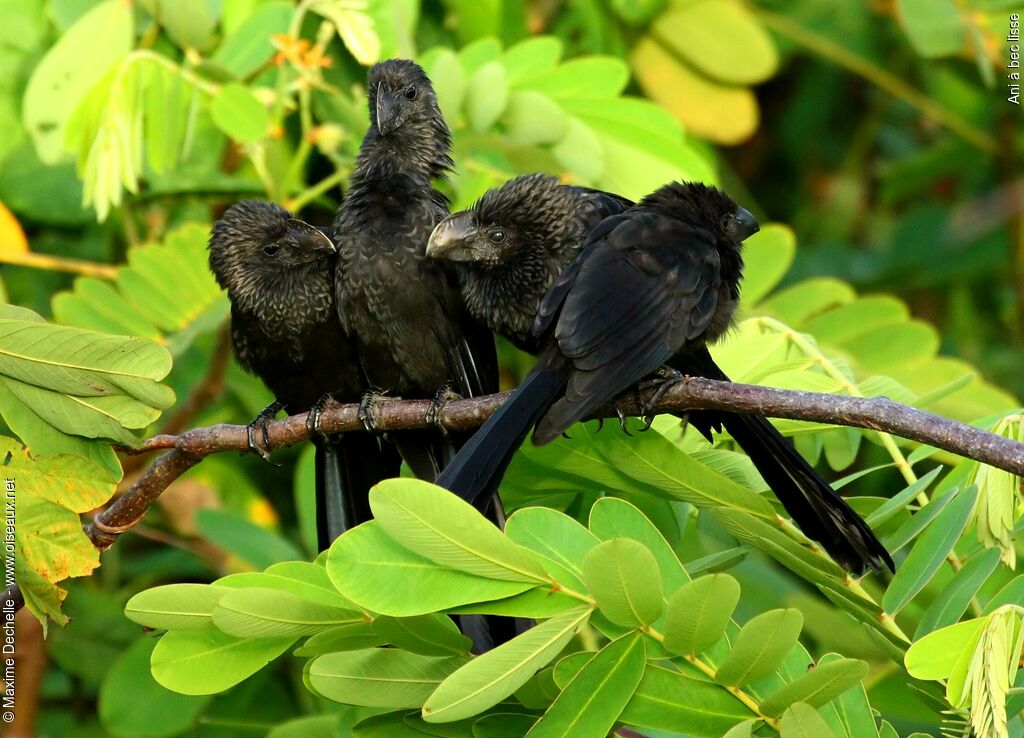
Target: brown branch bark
[874, 413]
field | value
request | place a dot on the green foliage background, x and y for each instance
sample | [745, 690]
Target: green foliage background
[880, 133]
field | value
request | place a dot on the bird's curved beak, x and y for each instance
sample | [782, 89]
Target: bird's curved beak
[449, 239]
[746, 224]
[389, 113]
[310, 237]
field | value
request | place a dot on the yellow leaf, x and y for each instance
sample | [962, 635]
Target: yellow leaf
[12, 237]
[721, 39]
[720, 113]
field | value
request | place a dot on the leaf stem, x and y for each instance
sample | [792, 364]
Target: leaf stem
[295, 204]
[748, 701]
[888, 442]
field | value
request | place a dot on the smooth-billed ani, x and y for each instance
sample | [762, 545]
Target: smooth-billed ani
[279, 274]
[403, 310]
[654, 286]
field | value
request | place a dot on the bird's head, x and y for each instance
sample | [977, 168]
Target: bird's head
[706, 207]
[527, 212]
[400, 95]
[253, 240]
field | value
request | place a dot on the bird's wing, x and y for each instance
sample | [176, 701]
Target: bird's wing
[647, 288]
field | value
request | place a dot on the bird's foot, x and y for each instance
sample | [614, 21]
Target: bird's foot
[367, 412]
[661, 382]
[259, 423]
[441, 398]
[316, 413]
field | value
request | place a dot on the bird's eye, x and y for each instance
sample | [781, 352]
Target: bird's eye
[410, 92]
[271, 249]
[496, 236]
[727, 222]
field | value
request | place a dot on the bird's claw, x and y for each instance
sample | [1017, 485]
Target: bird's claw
[437, 404]
[315, 416]
[623, 420]
[367, 410]
[260, 422]
[662, 382]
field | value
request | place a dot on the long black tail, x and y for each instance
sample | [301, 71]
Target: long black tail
[820, 512]
[478, 468]
[347, 465]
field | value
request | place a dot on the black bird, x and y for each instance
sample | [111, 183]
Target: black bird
[404, 311]
[510, 247]
[653, 286]
[279, 273]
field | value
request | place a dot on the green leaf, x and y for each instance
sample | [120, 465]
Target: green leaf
[301, 578]
[103, 36]
[721, 38]
[803, 721]
[902, 498]
[935, 27]
[532, 119]
[656, 461]
[742, 730]
[237, 112]
[209, 661]
[760, 647]
[442, 66]
[592, 76]
[955, 597]
[434, 523]
[699, 612]
[816, 686]
[493, 676]
[558, 538]
[129, 697]
[175, 606]
[767, 256]
[919, 521]
[580, 150]
[348, 637]
[379, 677]
[189, 23]
[667, 699]
[1011, 594]
[621, 574]
[591, 703]
[365, 556]
[255, 612]
[717, 562]
[257, 545]
[486, 96]
[430, 635]
[929, 552]
[935, 655]
[502, 725]
[782, 548]
[531, 57]
[313, 726]
[249, 46]
[611, 517]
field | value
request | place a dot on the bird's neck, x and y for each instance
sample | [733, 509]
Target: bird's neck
[506, 297]
[419, 151]
[285, 296]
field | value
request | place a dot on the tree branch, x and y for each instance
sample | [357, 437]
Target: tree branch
[874, 413]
